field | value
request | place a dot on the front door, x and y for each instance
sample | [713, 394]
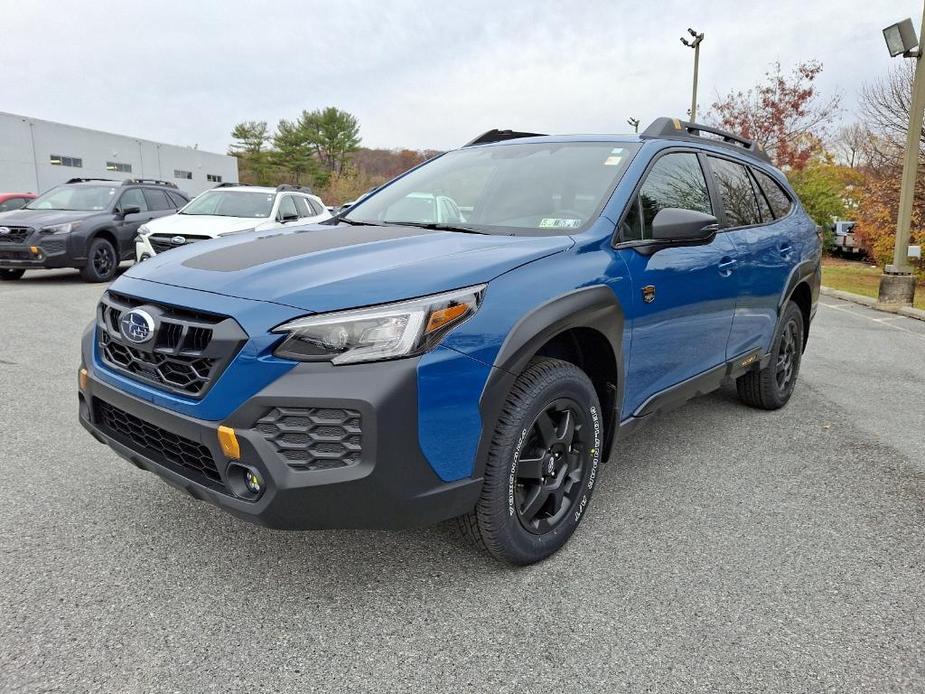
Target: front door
[684, 298]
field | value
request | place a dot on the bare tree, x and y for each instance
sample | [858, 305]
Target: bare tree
[884, 107]
[852, 145]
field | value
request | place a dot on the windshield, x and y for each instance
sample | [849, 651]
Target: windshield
[548, 188]
[232, 203]
[78, 198]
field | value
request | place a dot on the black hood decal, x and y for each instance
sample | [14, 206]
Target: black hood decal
[278, 246]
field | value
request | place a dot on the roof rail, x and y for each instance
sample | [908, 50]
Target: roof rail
[499, 136]
[87, 180]
[230, 184]
[148, 181]
[665, 127]
[290, 187]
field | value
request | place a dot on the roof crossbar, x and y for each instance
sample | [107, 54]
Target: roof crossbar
[674, 128]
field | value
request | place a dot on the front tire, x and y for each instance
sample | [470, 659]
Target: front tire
[542, 465]
[9, 275]
[771, 387]
[102, 262]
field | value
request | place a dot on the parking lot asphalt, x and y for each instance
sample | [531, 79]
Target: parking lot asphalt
[727, 549]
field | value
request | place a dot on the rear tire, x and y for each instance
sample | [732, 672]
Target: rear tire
[771, 387]
[10, 275]
[542, 465]
[102, 262]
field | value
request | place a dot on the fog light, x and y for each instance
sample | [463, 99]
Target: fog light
[253, 482]
[144, 257]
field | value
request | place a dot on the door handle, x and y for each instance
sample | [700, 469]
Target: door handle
[726, 266]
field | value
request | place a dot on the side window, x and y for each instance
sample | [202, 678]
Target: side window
[12, 204]
[779, 200]
[735, 188]
[177, 200]
[133, 198]
[157, 200]
[766, 214]
[287, 208]
[302, 206]
[676, 180]
[316, 208]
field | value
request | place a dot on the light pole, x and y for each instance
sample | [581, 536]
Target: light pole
[897, 284]
[634, 122]
[695, 44]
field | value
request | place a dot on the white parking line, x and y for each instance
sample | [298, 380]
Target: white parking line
[881, 321]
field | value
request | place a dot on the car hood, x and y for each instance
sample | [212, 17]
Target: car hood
[201, 224]
[43, 218]
[324, 268]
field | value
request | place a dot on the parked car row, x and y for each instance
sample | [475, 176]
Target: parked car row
[94, 224]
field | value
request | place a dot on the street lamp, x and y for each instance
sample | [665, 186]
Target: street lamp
[634, 123]
[897, 284]
[695, 44]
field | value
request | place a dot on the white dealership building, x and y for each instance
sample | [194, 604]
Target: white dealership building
[38, 154]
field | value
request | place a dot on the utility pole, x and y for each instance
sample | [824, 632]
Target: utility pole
[634, 123]
[695, 44]
[897, 284]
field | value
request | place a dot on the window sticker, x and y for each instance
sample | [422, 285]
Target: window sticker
[556, 223]
[616, 156]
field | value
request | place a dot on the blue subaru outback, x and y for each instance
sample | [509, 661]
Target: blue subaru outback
[470, 341]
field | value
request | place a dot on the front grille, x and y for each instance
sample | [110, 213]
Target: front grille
[15, 255]
[165, 243]
[176, 452]
[15, 234]
[314, 438]
[186, 354]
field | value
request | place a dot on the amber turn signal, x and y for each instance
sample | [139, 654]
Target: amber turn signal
[229, 442]
[443, 316]
[82, 377]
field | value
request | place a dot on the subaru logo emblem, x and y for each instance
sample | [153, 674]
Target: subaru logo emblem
[4, 230]
[178, 240]
[137, 326]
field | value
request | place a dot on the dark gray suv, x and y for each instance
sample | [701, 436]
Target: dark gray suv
[88, 224]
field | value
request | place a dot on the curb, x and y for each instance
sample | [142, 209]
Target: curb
[870, 302]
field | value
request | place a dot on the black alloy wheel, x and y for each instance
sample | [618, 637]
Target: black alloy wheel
[551, 466]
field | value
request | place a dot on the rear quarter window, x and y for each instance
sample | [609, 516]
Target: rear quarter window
[778, 199]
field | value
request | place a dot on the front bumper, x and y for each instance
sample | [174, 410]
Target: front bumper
[389, 485]
[143, 249]
[47, 252]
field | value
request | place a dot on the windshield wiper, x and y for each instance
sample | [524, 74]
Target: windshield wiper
[352, 222]
[437, 226]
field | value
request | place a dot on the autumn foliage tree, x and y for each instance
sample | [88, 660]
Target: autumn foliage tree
[785, 113]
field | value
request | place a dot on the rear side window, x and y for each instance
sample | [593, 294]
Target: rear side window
[675, 180]
[157, 200]
[287, 208]
[303, 208]
[735, 188]
[176, 199]
[779, 200]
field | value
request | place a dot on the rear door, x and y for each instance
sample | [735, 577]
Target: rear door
[684, 296]
[765, 254]
[159, 204]
[127, 226]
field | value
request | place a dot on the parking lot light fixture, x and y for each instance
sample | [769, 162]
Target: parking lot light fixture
[897, 284]
[695, 44]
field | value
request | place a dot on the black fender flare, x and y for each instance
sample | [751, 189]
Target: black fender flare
[810, 272]
[81, 242]
[593, 307]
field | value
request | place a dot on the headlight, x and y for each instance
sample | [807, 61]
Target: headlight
[60, 228]
[143, 230]
[239, 231]
[378, 332]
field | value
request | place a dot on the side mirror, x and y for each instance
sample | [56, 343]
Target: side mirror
[130, 209]
[675, 225]
[286, 218]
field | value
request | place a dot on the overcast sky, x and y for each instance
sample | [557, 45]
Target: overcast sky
[417, 74]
